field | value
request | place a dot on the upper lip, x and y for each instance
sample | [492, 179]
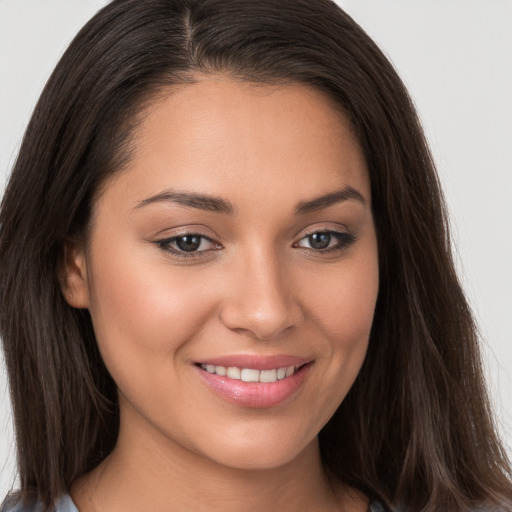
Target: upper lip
[256, 362]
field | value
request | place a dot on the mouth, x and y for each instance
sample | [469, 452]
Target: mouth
[255, 382]
[252, 374]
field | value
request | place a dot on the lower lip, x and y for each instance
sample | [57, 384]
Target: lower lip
[255, 394]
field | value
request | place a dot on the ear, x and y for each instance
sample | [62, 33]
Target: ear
[73, 275]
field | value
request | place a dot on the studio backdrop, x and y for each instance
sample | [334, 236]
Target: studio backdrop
[455, 57]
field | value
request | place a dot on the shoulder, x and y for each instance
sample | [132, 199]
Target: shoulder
[65, 504]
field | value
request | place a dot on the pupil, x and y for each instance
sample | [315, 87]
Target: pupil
[188, 243]
[319, 240]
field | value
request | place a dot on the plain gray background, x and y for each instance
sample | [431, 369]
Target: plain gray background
[455, 56]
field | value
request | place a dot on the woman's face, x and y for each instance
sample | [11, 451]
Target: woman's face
[231, 272]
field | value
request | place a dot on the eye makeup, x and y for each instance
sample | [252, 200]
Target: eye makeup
[196, 245]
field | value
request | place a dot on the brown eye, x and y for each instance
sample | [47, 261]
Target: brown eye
[320, 240]
[188, 243]
[326, 241]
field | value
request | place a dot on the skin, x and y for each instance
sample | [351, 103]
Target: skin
[259, 287]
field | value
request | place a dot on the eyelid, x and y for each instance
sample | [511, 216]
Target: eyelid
[165, 244]
[192, 229]
[322, 228]
[344, 236]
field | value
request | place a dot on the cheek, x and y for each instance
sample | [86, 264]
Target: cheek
[340, 306]
[345, 304]
[343, 308]
[142, 314]
[345, 316]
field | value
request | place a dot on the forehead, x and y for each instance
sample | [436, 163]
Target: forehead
[225, 137]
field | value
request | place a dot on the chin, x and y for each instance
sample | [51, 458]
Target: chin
[252, 454]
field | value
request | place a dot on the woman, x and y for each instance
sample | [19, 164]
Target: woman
[226, 280]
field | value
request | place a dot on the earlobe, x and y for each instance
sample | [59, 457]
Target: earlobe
[73, 275]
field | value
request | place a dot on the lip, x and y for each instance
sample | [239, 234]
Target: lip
[256, 394]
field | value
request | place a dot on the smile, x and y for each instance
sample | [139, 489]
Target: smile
[250, 374]
[255, 382]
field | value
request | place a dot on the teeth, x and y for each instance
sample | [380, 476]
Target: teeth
[249, 374]
[233, 373]
[220, 370]
[268, 376]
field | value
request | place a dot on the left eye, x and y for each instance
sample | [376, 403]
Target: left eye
[326, 240]
[187, 244]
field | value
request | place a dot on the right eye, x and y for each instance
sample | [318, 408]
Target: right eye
[188, 245]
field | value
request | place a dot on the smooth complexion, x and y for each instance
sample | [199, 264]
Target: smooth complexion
[240, 234]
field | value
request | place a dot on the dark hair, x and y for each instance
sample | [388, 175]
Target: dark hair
[416, 428]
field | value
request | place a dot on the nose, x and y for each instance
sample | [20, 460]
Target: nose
[261, 302]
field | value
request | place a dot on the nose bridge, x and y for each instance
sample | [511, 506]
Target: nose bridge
[261, 302]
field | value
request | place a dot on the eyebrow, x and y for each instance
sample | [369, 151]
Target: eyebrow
[319, 203]
[218, 205]
[192, 200]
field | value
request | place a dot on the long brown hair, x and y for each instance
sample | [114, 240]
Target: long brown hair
[416, 428]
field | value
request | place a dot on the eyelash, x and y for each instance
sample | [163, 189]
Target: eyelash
[343, 238]
[344, 241]
[166, 246]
